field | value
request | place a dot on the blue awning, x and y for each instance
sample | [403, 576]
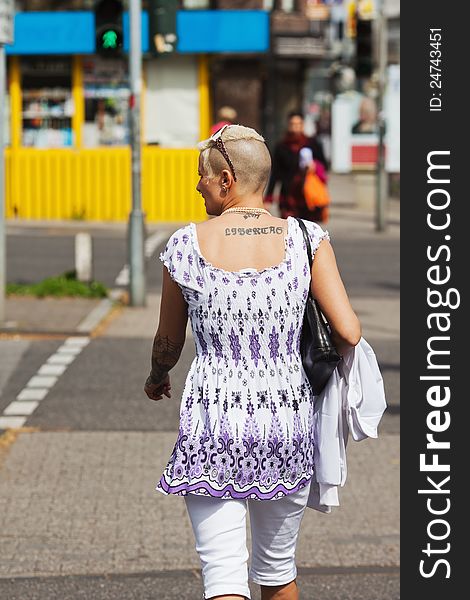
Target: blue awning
[54, 33]
[64, 33]
[223, 31]
[197, 31]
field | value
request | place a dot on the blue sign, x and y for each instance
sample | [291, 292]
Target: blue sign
[223, 31]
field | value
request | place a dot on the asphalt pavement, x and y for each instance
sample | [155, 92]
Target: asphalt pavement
[79, 517]
[338, 584]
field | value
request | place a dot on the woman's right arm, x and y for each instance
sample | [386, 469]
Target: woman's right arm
[328, 289]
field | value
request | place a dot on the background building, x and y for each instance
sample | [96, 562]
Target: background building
[67, 110]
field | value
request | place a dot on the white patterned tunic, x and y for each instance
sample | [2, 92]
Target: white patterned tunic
[246, 415]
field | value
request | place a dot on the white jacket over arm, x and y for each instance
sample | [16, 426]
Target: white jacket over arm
[353, 401]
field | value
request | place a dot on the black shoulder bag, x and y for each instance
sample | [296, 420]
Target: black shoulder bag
[319, 357]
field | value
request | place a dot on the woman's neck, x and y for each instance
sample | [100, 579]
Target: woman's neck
[251, 200]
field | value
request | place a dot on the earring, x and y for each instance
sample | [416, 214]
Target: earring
[224, 189]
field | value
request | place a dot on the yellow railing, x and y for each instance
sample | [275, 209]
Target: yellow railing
[94, 184]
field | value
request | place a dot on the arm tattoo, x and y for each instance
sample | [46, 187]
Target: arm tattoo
[165, 355]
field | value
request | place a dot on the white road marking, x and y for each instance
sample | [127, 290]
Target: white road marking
[32, 394]
[65, 349]
[60, 359]
[37, 388]
[20, 408]
[77, 341]
[153, 241]
[95, 316]
[12, 422]
[123, 277]
[56, 370]
[41, 381]
[151, 244]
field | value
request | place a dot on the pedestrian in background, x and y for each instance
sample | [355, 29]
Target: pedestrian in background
[226, 115]
[289, 170]
[245, 438]
[367, 122]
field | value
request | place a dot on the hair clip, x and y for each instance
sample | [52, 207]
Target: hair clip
[218, 143]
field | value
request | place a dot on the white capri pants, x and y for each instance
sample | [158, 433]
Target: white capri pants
[220, 530]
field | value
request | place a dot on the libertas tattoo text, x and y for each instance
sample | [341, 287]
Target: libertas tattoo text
[253, 230]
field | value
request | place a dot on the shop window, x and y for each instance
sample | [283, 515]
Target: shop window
[47, 102]
[106, 89]
[171, 117]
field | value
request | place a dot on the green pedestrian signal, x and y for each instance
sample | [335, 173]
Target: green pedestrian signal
[108, 27]
[110, 39]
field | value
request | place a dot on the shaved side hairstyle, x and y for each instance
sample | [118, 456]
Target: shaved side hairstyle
[248, 153]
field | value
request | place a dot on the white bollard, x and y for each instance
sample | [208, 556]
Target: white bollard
[83, 257]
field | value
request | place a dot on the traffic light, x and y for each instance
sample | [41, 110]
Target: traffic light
[108, 27]
[364, 49]
[162, 21]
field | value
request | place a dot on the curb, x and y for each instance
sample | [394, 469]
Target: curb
[86, 326]
[99, 313]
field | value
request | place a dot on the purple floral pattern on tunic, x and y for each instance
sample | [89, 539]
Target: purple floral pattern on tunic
[254, 346]
[216, 344]
[246, 415]
[274, 344]
[290, 341]
[235, 346]
[202, 342]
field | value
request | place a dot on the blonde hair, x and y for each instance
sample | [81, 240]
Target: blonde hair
[248, 153]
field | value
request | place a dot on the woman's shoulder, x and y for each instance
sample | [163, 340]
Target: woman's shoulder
[312, 226]
[315, 233]
[179, 237]
[180, 257]
[178, 243]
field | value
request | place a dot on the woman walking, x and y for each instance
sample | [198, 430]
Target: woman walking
[289, 170]
[245, 438]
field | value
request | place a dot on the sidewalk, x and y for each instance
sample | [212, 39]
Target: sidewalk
[28, 315]
[83, 503]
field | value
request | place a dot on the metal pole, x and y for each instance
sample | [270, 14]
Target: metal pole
[270, 103]
[136, 217]
[2, 186]
[382, 192]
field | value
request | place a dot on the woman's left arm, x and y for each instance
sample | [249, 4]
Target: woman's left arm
[169, 339]
[328, 289]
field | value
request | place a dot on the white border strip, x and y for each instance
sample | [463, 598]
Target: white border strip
[15, 414]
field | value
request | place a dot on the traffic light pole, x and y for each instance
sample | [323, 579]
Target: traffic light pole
[136, 236]
[381, 191]
[2, 188]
